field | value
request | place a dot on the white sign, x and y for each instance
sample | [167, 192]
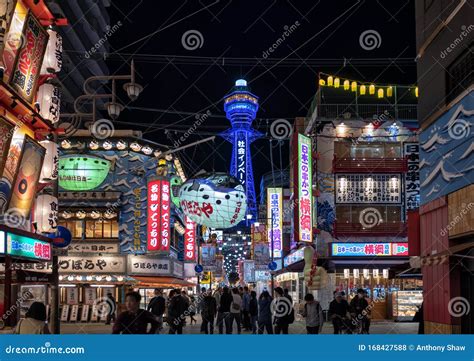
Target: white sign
[85, 313]
[102, 247]
[368, 188]
[2, 242]
[90, 295]
[92, 265]
[142, 265]
[64, 313]
[72, 295]
[74, 313]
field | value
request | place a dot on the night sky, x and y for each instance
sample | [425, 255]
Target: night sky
[324, 33]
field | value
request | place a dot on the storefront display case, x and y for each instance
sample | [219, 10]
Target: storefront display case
[405, 304]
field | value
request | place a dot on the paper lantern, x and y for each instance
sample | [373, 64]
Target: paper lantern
[49, 171]
[416, 92]
[380, 93]
[49, 100]
[216, 201]
[337, 82]
[362, 90]
[46, 213]
[330, 80]
[53, 56]
[354, 86]
[371, 89]
[82, 172]
[346, 84]
[389, 91]
[322, 82]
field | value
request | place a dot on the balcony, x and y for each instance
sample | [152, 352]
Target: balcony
[369, 165]
[382, 229]
[368, 111]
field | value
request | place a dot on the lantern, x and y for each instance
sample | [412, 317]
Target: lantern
[389, 91]
[322, 82]
[371, 89]
[362, 90]
[380, 93]
[330, 80]
[337, 82]
[354, 86]
[416, 92]
[82, 172]
[53, 57]
[346, 84]
[46, 213]
[49, 100]
[49, 171]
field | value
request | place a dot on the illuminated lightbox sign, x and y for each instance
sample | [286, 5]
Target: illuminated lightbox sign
[368, 188]
[294, 257]
[190, 241]
[82, 173]
[275, 220]
[305, 195]
[369, 249]
[158, 225]
[2, 242]
[26, 247]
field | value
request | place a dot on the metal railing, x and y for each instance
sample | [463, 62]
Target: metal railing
[369, 165]
[367, 111]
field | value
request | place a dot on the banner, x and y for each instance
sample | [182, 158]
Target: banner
[6, 135]
[11, 167]
[24, 189]
[275, 220]
[303, 190]
[13, 40]
[158, 206]
[369, 249]
[208, 257]
[412, 176]
[25, 75]
[190, 241]
[7, 7]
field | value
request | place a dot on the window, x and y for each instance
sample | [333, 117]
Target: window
[460, 74]
[352, 214]
[101, 229]
[75, 226]
[367, 150]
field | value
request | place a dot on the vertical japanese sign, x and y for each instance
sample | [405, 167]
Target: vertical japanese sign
[208, 257]
[25, 75]
[304, 190]
[412, 178]
[190, 241]
[275, 220]
[6, 135]
[240, 162]
[158, 207]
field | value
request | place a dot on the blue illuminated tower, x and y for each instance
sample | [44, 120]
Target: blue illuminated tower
[241, 107]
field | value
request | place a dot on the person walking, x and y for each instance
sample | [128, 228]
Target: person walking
[201, 304]
[265, 313]
[34, 322]
[177, 313]
[157, 306]
[253, 311]
[192, 310]
[226, 300]
[338, 310]
[313, 313]
[235, 309]
[245, 309]
[284, 312]
[112, 306]
[359, 307]
[135, 320]
[208, 312]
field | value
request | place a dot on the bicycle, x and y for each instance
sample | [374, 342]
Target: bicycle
[344, 325]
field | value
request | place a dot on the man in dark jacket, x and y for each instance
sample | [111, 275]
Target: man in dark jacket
[208, 313]
[157, 307]
[359, 309]
[253, 311]
[177, 311]
[224, 308]
[338, 309]
[134, 320]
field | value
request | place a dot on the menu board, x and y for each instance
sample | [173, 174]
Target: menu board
[368, 188]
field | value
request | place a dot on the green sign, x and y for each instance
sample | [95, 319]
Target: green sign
[26, 247]
[175, 183]
[82, 172]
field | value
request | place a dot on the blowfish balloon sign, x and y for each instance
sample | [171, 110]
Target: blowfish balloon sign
[216, 200]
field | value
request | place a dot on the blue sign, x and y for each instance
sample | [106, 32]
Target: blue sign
[446, 147]
[272, 265]
[61, 238]
[198, 268]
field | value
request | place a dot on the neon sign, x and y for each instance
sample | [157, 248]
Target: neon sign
[304, 176]
[158, 225]
[27, 247]
[190, 241]
[369, 249]
[275, 219]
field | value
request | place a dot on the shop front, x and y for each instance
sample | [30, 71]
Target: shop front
[291, 276]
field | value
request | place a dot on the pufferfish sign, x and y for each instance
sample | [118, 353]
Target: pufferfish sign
[214, 200]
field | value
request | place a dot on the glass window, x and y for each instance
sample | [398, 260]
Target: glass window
[102, 229]
[75, 226]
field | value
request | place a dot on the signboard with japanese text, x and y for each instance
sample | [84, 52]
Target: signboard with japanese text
[275, 220]
[293, 257]
[249, 271]
[159, 212]
[72, 295]
[92, 265]
[27, 247]
[26, 71]
[369, 249]
[190, 241]
[412, 176]
[241, 161]
[304, 191]
[90, 295]
[208, 257]
[368, 188]
[261, 254]
[147, 266]
[105, 247]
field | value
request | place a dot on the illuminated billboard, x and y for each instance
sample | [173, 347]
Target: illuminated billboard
[275, 220]
[369, 249]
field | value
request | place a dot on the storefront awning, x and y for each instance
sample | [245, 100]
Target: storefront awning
[164, 282]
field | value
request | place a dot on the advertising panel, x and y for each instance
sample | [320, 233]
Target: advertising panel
[275, 220]
[369, 249]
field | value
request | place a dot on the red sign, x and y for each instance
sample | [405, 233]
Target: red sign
[190, 241]
[25, 74]
[158, 225]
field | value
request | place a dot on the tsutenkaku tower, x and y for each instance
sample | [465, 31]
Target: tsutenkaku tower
[241, 107]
